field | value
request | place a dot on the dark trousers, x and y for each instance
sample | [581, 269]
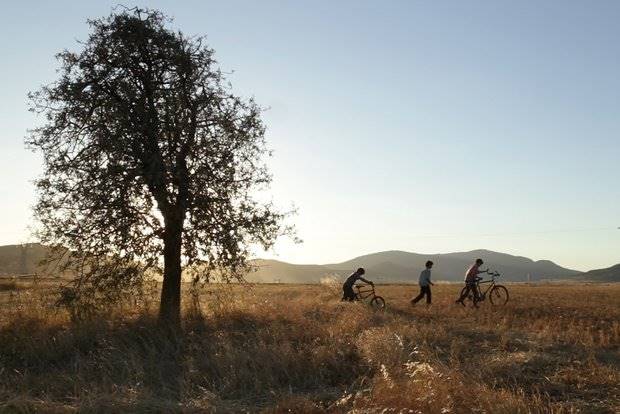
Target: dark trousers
[424, 290]
[470, 287]
[347, 293]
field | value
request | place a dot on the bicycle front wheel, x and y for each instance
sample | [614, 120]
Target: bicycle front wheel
[498, 295]
[377, 303]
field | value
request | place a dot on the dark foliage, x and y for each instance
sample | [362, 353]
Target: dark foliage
[152, 164]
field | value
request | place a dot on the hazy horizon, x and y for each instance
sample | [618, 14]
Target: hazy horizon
[429, 254]
[403, 126]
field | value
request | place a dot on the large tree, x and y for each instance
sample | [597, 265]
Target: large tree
[150, 160]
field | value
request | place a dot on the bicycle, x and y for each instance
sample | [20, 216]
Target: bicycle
[498, 294]
[365, 291]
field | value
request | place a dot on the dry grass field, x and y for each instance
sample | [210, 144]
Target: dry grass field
[297, 349]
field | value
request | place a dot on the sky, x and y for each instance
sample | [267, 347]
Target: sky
[422, 126]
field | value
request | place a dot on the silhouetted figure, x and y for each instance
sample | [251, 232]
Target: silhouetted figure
[425, 285]
[471, 276]
[347, 288]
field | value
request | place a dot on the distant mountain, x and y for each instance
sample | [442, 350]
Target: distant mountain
[27, 259]
[388, 267]
[610, 274]
[400, 266]
[274, 271]
[21, 258]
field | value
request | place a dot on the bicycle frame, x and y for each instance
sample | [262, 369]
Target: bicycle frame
[363, 293]
[491, 282]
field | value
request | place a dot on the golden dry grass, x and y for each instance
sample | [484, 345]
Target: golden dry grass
[281, 349]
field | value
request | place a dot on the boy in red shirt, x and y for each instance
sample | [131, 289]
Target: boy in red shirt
[470, 282]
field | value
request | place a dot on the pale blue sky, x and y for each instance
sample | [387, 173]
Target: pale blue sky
[421, 126]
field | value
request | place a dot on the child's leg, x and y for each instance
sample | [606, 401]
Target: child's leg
[348, 294]
[420, 296]
[474, 289]
[428, 295]
[465, 293]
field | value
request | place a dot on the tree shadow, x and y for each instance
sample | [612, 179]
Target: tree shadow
[92, 357]
[138, 362]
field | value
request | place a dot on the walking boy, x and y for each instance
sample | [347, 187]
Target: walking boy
[470, 282]
[425, 285]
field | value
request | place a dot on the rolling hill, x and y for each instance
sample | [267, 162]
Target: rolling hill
[400, 266]
[21, 258]
[388, 266]
[609, 274]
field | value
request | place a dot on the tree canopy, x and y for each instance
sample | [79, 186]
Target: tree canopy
[151, 161]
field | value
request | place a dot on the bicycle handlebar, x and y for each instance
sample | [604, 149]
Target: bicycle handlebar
[492, 274]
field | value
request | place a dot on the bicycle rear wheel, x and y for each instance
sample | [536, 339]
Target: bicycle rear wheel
[377, 303]
[498, 295]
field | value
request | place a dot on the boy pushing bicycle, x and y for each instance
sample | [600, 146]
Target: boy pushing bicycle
[471, 277]
[347, 288]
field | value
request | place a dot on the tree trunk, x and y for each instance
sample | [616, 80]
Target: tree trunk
[170, 306]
